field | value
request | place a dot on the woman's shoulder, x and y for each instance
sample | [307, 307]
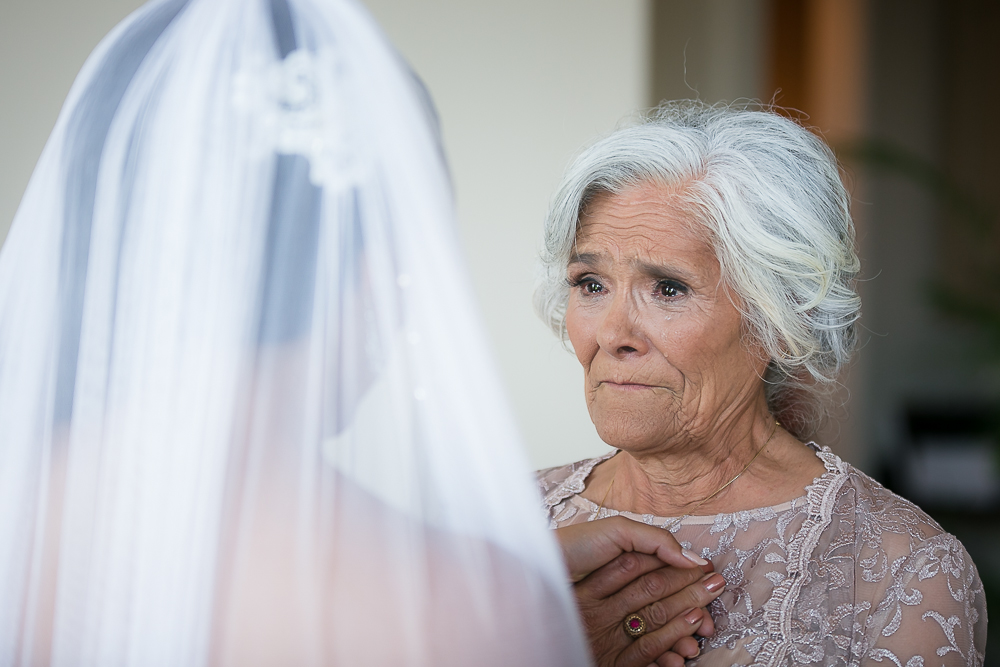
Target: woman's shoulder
[885, 526]
[914, 573]
[891, 531]
[559, 483]
[884, 512]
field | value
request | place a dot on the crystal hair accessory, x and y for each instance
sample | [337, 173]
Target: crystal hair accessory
[296, 108]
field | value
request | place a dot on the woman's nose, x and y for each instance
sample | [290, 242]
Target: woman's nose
[620, 333]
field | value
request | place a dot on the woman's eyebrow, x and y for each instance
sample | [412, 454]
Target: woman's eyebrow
[661, 271]
[585, 258]
[656, 271]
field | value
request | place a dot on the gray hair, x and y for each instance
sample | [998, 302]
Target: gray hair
[770, 195]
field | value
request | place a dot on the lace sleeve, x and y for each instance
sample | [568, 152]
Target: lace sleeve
[933, 612]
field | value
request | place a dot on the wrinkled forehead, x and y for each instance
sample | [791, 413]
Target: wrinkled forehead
[647, 220]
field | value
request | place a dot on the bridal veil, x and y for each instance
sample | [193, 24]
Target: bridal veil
[247, 414]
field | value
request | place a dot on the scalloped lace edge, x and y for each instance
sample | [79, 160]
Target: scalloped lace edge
[821, 497]
[575, 483]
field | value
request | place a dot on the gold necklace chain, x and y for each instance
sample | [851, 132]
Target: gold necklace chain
[719, 490]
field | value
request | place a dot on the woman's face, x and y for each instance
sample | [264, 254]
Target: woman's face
[656, 330]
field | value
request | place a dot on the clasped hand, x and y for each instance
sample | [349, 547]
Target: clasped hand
[621, 567]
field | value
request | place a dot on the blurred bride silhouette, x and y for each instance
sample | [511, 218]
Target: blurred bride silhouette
[247, 416]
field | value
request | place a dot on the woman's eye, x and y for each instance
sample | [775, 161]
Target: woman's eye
[588, 285]
[670, 289]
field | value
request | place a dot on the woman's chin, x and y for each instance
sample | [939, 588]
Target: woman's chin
[630, 434]
[637, 422]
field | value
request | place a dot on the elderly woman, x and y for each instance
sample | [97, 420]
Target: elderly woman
[701, 264]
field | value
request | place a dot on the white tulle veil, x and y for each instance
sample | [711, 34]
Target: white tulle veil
[247, 416]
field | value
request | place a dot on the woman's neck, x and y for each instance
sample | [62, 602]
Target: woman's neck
[681, 477]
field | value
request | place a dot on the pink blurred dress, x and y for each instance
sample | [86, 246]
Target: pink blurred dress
[847, 574]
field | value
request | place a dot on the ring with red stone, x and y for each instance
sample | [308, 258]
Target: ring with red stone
[635, 625]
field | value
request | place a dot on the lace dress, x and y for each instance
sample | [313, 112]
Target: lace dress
[848, 574]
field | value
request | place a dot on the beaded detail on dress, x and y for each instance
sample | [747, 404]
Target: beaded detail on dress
[847, 574]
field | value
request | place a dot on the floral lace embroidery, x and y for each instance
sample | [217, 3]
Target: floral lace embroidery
[848, 574]
[574, 483]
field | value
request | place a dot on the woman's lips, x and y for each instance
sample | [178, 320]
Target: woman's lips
[627, 386]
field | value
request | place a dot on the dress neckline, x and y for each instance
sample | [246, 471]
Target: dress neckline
[574, 485]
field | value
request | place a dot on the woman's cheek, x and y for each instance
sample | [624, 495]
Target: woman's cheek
[580, 329]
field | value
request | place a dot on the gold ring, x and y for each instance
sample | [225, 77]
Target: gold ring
[635, 625]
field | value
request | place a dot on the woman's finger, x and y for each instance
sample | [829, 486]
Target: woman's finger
[660, 595]
[616, 575]
[651, 646]
[687, 647]
[707, 628]
[697, 595]
[593, 544]
[669, 659]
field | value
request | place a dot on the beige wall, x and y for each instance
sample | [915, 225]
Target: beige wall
[712, 50]
[43, 44]
[521, 85]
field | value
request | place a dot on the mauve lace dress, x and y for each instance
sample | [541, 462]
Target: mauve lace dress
[847, 574]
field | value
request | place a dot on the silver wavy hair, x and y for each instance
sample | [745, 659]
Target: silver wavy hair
[770, 195]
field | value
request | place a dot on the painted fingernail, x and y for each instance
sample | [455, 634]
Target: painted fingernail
[713, 582]
[693, 557]
[692, 616]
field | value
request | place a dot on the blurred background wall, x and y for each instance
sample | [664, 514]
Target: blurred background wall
[521, 86]
[904, 90]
